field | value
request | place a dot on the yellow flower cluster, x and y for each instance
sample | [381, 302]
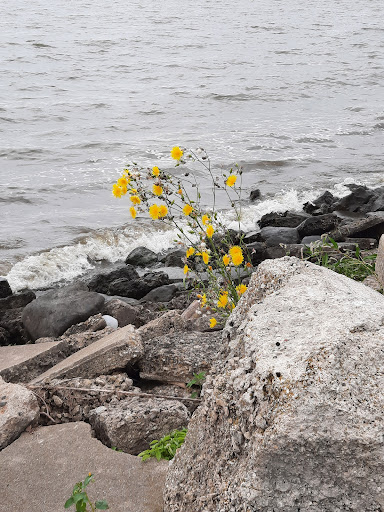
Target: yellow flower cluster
[176, 153]
[158, 212]
[231, 180]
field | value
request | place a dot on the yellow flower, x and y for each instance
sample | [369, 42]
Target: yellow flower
[187, 210]
[210, 231]
[133, 191]
[186, 269]
[157, 190]
[163, 210]
[204, 219]
[190, 252]
[231, 180]
[236, 255]
[203, 300]
[117, 191]
[122, 182]
[212, 323]
[124, 190]
[154, 211]
[180, 192]
[223, 300]
[205, 256]
[155, 171]
[241, 288]
[176, 153]
[135, 199]
[226, 260]
[231, 306]
[133, 212]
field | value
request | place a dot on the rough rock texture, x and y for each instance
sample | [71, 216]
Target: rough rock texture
[18, 300]
[284, 220]
[18, 409]
[132, 424]
[5, 289]
[198, 318]
[39, 470]
[176, 357]
[120, 348]
[138, 288]
[318, 225]
[323, 204]
[275, 235]
[101, 282]
[11, 309]
[371, 226]
[124, 313]
[361, 199]
[141, 256]
[23, 363]
[379, 266]
[54, 312]
[170, 322]
[163, 293]
[293, 419]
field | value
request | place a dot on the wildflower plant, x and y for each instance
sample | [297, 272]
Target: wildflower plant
[215, 256]
[80, 498]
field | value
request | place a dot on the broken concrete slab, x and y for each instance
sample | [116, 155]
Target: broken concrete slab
[131, 424]
[39, 470]
[22, 363]
[115, 351]
[175, 357]
[18, 409]
[379, 266]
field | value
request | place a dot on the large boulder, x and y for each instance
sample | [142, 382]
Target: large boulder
[100, 283]
[5, 289]
[11, 309]
[54, 312]
[141, 257]
[361, 199]
[293, 419]
[138, 288]
[18, 409]
[322, 205]
[273, 236]
[371, 226]
[283, 220]
[131, 424]
[318, 225]
[39, 470]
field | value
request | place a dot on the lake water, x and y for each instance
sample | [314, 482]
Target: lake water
[293, 91]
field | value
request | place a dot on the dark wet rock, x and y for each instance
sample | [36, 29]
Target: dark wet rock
[163, 293]
[310, 239]
[255, 194]
[283, 220]
[124, 313]
[273, 236]
[256, 251]
[318, 225]
[138, 288]
[362, 200]
[18, 300]
[101, 282]
[175, 274]
[5, 337]
[173, 257]
[363, 243]
[272, 253]
[5, 289]
[10, 319]
[141, 257]
[322, 205]
[54, 312]
[371, 226]
[252, 236]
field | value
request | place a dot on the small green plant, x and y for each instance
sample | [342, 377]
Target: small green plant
[198, 380]
[165, 448]
[115, 449]
[326, 253]
[80, 498]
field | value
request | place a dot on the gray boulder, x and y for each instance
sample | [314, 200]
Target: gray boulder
[370, 226]
[293, 419]
[273, 236]
[54, 312]
[5, 289]
[163, 293]
[141, 257]
[131, 424]
[124, 313]
[18, 409]
[282, 220]
[318, 225]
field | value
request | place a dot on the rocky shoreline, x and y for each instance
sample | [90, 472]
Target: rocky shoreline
[117, 350]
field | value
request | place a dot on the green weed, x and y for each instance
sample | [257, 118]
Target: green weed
[165, 448]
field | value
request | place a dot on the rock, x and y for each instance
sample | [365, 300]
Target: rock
[318, 225]
[371, 226]
[255, 194]
[58, 456]
[274, 236]
[131, 424]
[92, 324]
[18, 409]
[361, 199]
[101, 282]
[363, 243]
[252, 236]
[373, 283]
[11, 321]
[163, 293]
[110, 321]
[5, 337]
[169, 322]
[5, 289]
[18, 300]
[23, 363]
[54, 312]
[175, 357]
[173, 258]
[175, 274]
[322, 205]
[124, 313]
[141, 257]
[379, 265]
[297, 250]
[198, 318]
[119, 349]
[307, 240]
[256, 251]
[138, 288]
[287, 423]
[282, 220]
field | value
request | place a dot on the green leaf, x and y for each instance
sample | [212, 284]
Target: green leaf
[87, 480]
[81, 496]
[69, 502]
[101, 505]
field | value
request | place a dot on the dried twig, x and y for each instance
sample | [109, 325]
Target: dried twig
[46, 407]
